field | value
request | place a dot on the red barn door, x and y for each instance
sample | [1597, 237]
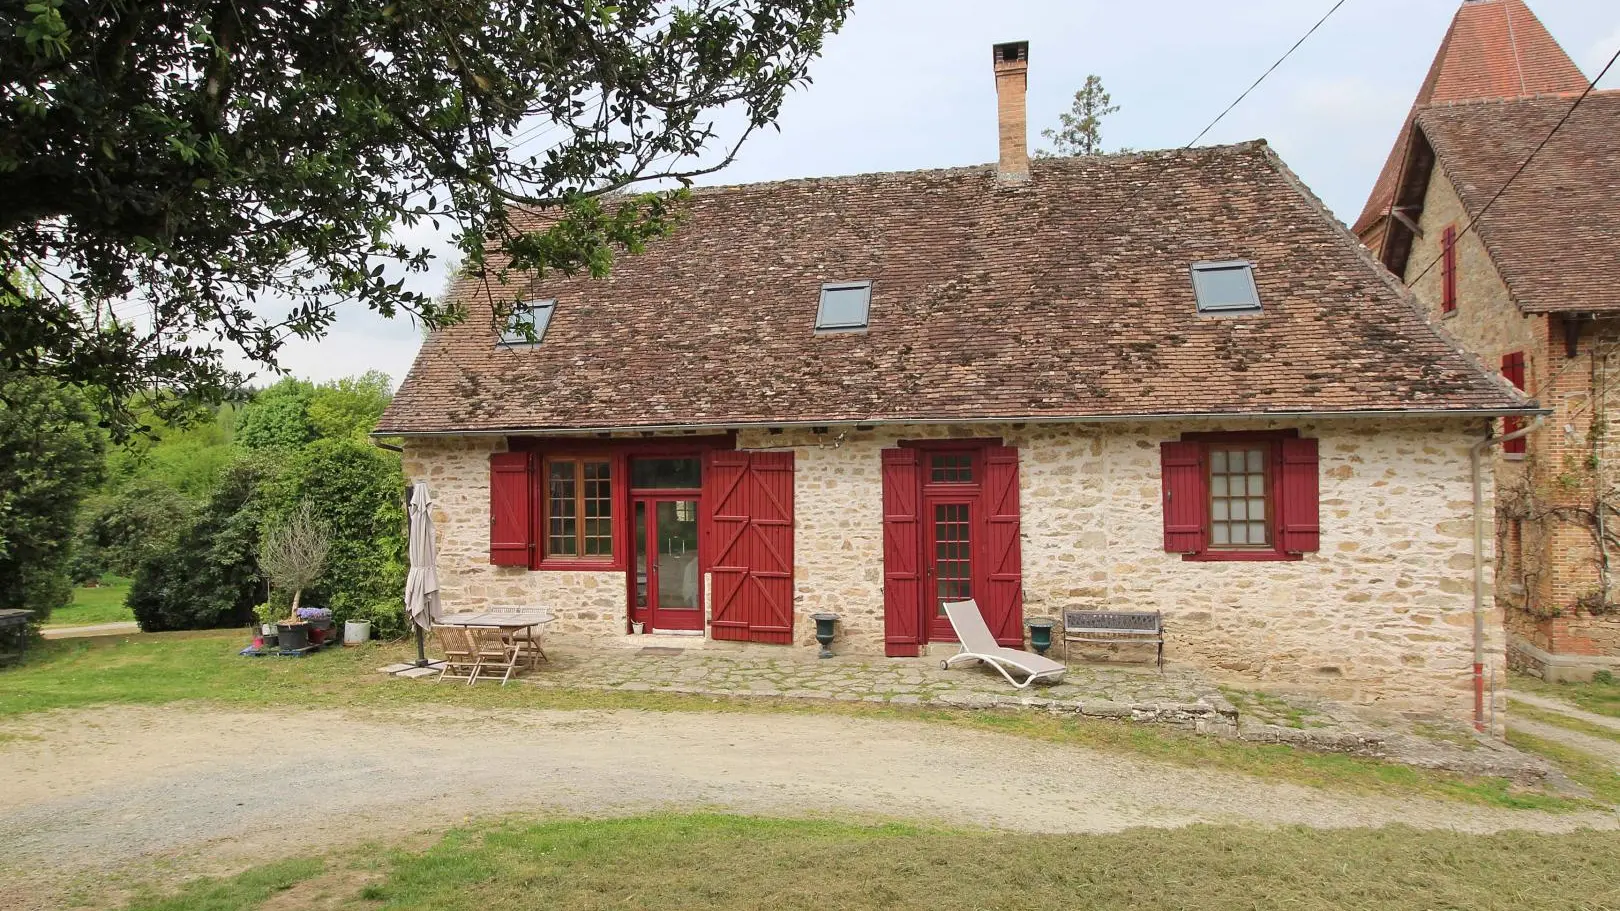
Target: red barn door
[750, 510]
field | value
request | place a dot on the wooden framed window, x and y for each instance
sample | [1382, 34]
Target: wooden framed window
[1448, 270]
[1241, 496]
[578, 504]
[1240, 507]
[950, 468]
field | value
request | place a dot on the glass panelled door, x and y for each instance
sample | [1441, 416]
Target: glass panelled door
[948, 559]
[667, 593]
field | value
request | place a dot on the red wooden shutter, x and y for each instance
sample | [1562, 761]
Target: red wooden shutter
[902, 552]
[1448, 270]
[1186, 500]
[1002, 598]
[750, 497]
[1513, 372]
[1299, 499]
[511, 528]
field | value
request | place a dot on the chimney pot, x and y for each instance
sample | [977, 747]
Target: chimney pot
[1011, 63]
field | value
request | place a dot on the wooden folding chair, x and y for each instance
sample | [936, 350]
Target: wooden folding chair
[528, 638]
[460, 658]
[494, 652]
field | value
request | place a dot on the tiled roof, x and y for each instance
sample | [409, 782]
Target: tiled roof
[1494, 49]
[1555, 234]
[1064, 296]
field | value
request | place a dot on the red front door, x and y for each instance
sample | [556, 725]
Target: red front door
[668, 594]
[947, 559]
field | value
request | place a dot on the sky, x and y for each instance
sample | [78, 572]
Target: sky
[907, 85]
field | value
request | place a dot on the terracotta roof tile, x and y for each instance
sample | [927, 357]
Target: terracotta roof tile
[1494, 49]
[989, 301]
[1555, 234]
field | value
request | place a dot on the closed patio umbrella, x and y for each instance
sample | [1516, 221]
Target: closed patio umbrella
[422, 583]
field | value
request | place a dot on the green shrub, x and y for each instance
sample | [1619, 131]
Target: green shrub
[356, 491]
[50, 460]
[388, 618]
[208, 577]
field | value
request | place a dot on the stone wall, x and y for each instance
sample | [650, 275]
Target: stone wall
[1381, 614]
[1551, 567]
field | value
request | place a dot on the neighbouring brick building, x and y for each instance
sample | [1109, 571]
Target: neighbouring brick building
[1164, 380]
[1527, 286]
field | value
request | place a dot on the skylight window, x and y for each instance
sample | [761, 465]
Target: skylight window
[844, 306]
[1225, 287]
[528, 323]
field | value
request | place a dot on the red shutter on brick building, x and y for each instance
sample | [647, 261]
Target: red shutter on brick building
[902, 553]
[1513, 372]
[1448, 270]
[749, 497]
[1002, 591]
[1186, 497]
[511, 493]
[1299, 497]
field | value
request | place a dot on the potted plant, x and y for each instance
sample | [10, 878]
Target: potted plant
[293, 556]
[267, 614]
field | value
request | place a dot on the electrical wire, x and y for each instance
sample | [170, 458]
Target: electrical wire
[1229, 108]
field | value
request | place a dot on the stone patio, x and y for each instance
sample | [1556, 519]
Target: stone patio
[1180, 696]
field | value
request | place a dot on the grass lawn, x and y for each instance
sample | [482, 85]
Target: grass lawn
[170, 667]
[102, 604]
[1600, 696]
[733, 862]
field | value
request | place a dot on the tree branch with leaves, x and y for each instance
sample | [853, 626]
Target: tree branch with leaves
[179, 177]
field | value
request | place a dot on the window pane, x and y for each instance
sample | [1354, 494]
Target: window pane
[534, 316]
[844, 306]
[1237, 508]
[665, 474]
[1225, 286]
[950, 468]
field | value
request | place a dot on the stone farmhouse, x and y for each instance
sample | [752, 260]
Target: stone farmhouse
[1527, 287]
[1167, 380]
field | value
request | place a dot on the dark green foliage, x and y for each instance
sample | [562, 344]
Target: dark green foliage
[189, 158]
[388, 618]
[356, 491]
[123, 530]
[50, 460]
[209, 578]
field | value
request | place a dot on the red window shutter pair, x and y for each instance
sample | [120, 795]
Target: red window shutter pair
[511, 503]
[748, 498]
[1297, 493]
[1513, 372]
[1448, 270]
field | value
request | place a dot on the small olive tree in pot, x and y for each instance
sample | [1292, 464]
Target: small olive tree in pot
[293, 556]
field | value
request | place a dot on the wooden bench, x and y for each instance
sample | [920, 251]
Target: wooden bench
[1114, 628]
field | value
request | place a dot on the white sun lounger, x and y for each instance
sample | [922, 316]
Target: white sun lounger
[978, 644]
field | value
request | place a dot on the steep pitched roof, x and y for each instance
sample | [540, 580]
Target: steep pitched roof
[1554, 235]
[1494, 49]
[990, 301]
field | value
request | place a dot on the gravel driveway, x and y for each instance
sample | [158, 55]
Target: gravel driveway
[106, 788]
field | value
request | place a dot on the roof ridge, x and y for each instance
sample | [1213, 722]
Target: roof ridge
[1058, 161]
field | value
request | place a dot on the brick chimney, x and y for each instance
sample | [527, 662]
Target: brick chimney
[1012, 81]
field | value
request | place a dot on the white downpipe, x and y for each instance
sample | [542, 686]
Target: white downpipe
[1475, 460]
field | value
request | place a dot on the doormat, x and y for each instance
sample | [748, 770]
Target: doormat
[660, 650]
